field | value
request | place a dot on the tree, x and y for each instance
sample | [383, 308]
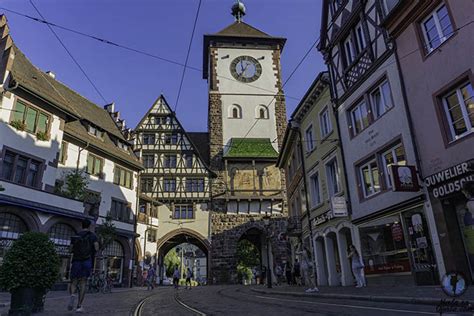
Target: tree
[247, 254]
[106, 232]
[171, 261]
[74, 185]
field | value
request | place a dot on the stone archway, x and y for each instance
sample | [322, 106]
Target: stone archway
[177, 237]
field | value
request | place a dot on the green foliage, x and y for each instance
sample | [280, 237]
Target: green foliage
[42, 136]
[31, 262]
[74, 185]
[171, 261]
[247, 254]
[19, 125]
[106, 232]
[244, 273]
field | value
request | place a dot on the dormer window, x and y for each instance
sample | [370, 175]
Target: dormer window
[122, 145]
[95, 131]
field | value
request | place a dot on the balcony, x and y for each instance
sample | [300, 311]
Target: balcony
[294, 226]
[39, 200]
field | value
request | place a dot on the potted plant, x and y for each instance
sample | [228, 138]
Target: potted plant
[29, 270]
[19, 125]
[42, 136]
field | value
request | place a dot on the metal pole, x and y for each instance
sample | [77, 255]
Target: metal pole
[269, 270]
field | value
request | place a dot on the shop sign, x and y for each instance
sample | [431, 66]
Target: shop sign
[339, 206]
[62, 250]
[323, 218]
[394, 267]
[450, 180]
[397, 233]
[404, 178]
[6, 243]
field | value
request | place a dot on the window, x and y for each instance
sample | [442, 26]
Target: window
[146, 184]
[92, 203]
[94, 165]
[95, 131]
[120, 211]
[309, 139]
[169, 185]
[195, 185]
[359, 38]
[122, 145]
[359, 118]
[325, 122]
[171, 139]
[148, 160]
[332, 174]
[183, 211]
[32, 119]
[151, 235]
[63, 153]
[188, 160]
[381, 99]
[336, 4]
[315, 190]
[459, 108]
[369, 174]
[21, 169]
[261, 112]
[349, 52]
[437, 28]
[388, 5]
[393, 156]
[148, 139]
[235, 111]
[170, 161]
[162, 120]
[123, 177]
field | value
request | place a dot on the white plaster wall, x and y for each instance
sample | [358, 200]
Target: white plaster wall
[392, 124]
[247, 95]
[150, 246]
[105, 187]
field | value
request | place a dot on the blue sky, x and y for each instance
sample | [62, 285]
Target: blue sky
[163, 28]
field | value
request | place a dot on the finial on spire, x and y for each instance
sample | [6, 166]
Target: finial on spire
[238, 10]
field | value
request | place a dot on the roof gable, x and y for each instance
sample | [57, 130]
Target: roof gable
[242, 29]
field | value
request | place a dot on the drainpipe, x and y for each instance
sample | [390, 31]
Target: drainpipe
[296, 126]
[79, 155]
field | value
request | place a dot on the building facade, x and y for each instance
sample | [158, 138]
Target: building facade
[247, 120]
[394, 229]
[441, 106]
[49, 133]
[174, 192]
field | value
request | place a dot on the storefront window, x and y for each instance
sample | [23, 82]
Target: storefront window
[11, 227]
[466, 224]
[114, 261]
[60, 235]
[383, 246]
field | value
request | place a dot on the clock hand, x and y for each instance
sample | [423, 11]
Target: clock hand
[245, 69]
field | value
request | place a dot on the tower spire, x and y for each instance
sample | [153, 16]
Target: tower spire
[238, 10]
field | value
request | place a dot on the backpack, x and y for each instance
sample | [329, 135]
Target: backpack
[82, 247]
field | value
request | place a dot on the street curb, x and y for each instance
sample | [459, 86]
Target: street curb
[373, 298]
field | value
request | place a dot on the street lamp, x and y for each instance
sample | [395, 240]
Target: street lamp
[266, 222]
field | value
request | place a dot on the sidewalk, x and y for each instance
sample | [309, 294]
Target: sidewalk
[119, 302]
[428, 295]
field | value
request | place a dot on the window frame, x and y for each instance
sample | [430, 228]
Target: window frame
[330, 184]
[322, 120]
[310, 143]
[351, 111]
[195, 185]
[188, 207]
[167, 163]
[379, 88]
[231, 114]
[124, 213]
[153, 137]
[452, 137]
[126, 172]
[37, 184]
[386, 172]
[443, 38]
[63, 152]
[146, 161]
[361, 178]
[315, 191]
[94, 172]
[172, 182]
[148, 181]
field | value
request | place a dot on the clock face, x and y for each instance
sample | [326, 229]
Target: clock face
[245, 69]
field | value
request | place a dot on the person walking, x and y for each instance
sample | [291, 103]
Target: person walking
[176, 277]
[189, 276]
[150, 278]
[83, 248]
[279, 274]
[297, 272]
[357, 266]
[289, 277]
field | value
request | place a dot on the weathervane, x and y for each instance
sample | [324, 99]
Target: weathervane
[238, 10]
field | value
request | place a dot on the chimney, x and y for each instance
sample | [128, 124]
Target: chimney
[110, 107]
[51, 74]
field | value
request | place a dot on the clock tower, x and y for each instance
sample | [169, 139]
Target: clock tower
[246, 123]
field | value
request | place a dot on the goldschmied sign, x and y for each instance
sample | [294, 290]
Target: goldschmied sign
[450, 180]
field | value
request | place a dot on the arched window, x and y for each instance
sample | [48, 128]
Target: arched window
[60, 234]
[235, 111]
[11, 228]
[261, 112]
[114, 261]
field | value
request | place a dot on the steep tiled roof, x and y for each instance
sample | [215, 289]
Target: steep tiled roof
[200, 141]
[251, 148]
[242, 29]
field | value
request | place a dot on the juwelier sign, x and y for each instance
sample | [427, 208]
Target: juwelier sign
[450, 180]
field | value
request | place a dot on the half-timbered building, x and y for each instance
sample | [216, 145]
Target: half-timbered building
[174, 188]
[375, 135]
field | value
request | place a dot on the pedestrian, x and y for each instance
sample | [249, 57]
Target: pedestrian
[307, 271]
[289, 277]
[264, 275]
[279, 274]
[357, 266]
[83, 248]
[189, 276]
[176, 277]
[144, 276]
[297, 272]
[150, 278]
